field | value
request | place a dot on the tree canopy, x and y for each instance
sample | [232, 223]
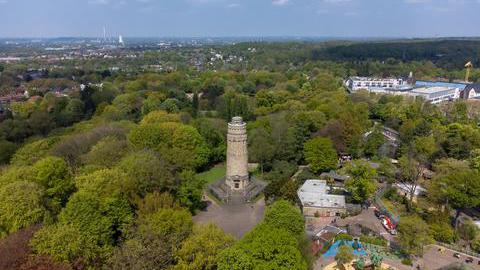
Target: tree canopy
[320, 154]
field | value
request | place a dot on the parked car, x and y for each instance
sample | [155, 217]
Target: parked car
[456, 255]
[469, 260]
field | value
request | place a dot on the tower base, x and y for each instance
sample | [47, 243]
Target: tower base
[224, 193]
[237, 182]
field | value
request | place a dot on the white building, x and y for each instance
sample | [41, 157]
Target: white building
[436, 94]
[357, 83]
[431, 91]
[404, 189]
[316, 202]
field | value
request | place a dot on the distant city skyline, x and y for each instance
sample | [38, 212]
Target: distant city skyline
[239, 18]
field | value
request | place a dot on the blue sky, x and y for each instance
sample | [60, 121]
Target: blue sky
[179, 18]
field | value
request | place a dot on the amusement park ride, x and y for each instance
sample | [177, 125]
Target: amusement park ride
[386, 222]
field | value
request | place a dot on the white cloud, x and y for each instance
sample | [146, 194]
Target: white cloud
[280, 2]
[235, 5]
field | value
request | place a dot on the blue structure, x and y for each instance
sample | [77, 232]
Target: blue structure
[461, 86]
[332, 251]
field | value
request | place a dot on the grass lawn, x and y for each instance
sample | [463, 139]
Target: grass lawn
[213, 174]
[394, 207]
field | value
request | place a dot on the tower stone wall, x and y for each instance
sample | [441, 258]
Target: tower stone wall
[237, 155]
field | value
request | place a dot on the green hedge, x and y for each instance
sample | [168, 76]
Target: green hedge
[343, 236]
[374, 240]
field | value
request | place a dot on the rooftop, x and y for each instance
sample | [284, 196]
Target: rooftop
[431, 90]
[441, 84]
[334, 175]
[356, 78]
[313, 193]
[407, 187]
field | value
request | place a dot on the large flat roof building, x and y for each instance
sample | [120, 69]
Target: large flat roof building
[316, 202]
[370, 83]
[436, 94]
[433, 92]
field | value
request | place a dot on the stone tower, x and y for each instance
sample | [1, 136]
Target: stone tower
[237, 155]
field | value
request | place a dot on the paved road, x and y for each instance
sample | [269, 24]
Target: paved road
[321, 263]
[235, 219]
[434, 259]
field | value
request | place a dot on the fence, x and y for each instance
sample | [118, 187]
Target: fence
[459, 249]
[381, 207]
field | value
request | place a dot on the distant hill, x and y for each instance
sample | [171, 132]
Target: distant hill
[449, 54]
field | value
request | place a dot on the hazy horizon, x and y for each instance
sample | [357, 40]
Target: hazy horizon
[285, 37]
[240, 18]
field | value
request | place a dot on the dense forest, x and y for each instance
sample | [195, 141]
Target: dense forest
[106, 177]
[448, 54]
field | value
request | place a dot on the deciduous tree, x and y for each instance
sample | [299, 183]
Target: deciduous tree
[153, 241]
[344, 256]
[201, 249]
[282, 214]
[321, 156]
[7, 149]
[21, 205]
[362, 183]
[180, 144]
[413, 234]
[54, 175]
[265, 247]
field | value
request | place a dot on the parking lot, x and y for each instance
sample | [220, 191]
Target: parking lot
[436, 257]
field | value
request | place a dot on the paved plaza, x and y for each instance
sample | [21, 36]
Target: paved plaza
[235, 219]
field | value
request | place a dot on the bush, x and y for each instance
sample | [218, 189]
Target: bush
[325, 247]
[475, 245]
[407, 261]
[392, 195]
[7, 149]
[378, 241]
[343, 236]
[468, 231]
[442, 232]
